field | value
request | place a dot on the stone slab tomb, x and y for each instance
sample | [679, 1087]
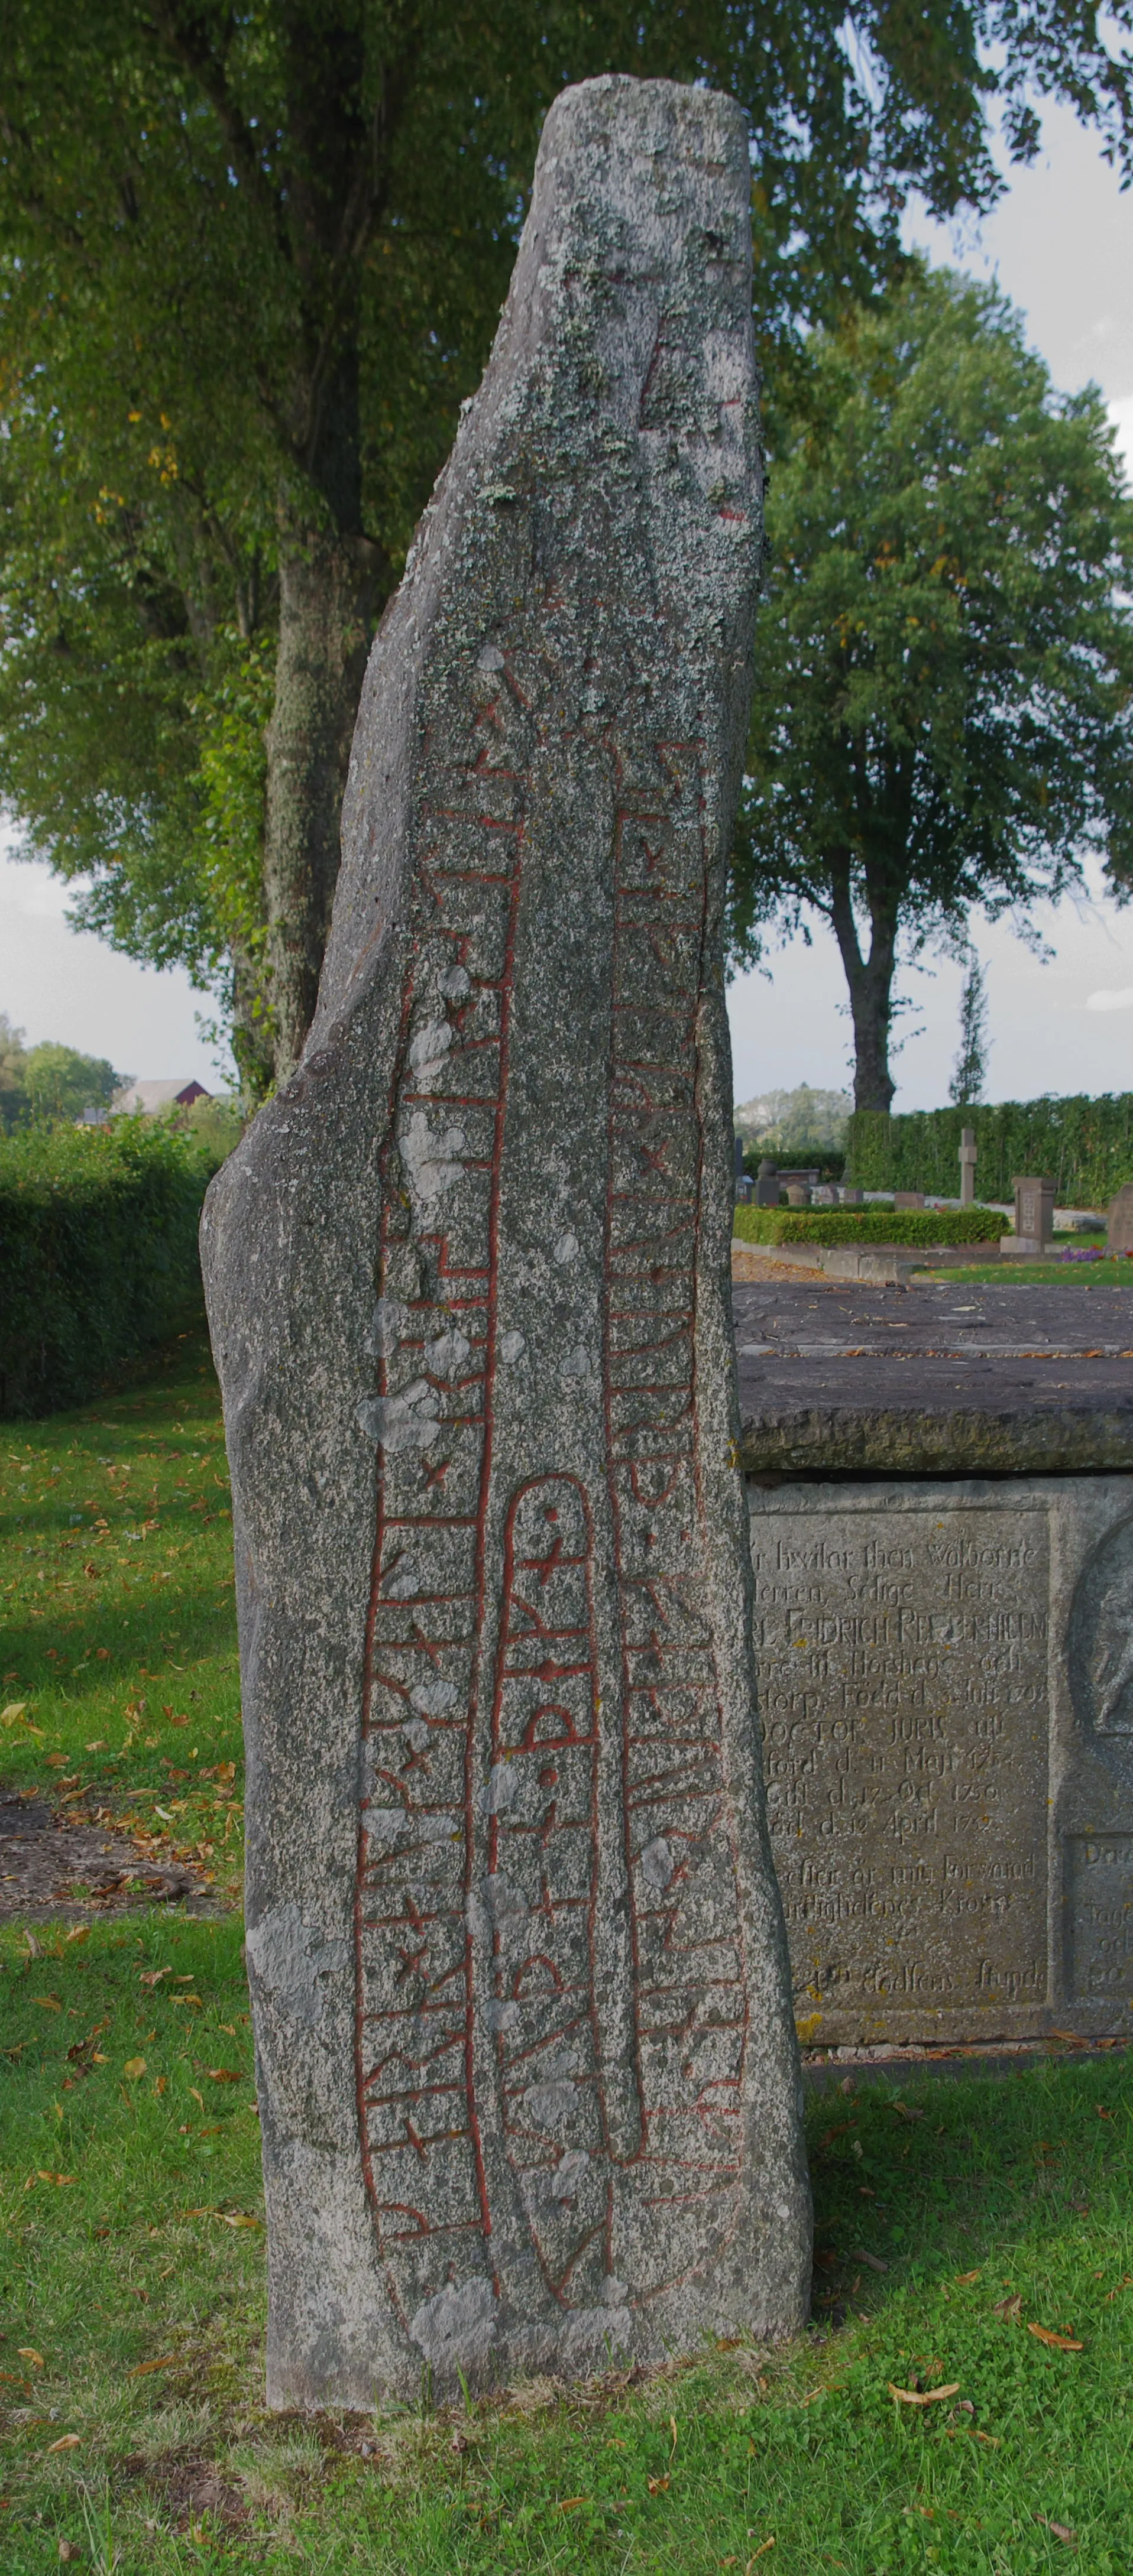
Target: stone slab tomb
[526, 2056]
[946, 1658]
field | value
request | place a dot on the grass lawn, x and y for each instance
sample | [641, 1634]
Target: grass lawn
[1057, 1273]
[953, 2216]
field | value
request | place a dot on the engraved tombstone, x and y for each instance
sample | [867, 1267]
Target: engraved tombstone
[767, 1192]
[1119, 1220]
[946, 1686]
[527, 2066]
[1034, 1216]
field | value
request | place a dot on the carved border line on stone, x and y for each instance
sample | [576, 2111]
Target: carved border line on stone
[435, 1409]
[655, 1175]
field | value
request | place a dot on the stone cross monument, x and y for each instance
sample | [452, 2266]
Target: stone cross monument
[527, 2063]
[967, 1167]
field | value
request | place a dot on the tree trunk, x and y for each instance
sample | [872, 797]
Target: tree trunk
[870, 981]
[325, 606]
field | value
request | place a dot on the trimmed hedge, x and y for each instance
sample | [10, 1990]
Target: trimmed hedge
[98, 1254]
[1086, 1145]
[867, 1225]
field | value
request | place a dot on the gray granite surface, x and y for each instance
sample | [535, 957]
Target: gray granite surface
[935, 1377]
[946, 1697]
[528, 2073]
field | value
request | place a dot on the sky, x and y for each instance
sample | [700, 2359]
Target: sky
[1061, 245]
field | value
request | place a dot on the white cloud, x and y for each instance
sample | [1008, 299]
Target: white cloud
[1110, 1001]
[1121, 414]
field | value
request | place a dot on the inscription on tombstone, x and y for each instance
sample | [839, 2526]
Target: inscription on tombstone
[946, 1687]
[1034, 1216]
[527, 2063]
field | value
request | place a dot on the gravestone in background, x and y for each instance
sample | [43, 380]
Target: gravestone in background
[1034, 1217]
[1119, 1220]
[946, 1687]
[967, 1167]
[526, 2058]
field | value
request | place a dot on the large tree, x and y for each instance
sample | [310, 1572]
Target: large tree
[944, 697]
[250, 262]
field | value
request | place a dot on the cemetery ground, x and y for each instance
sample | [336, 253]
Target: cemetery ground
[963, 2398]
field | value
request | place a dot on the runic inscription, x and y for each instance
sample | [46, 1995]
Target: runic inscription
[618, 2001]
[528, 2071]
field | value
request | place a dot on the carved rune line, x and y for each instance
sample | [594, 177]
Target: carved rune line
[613, 2107]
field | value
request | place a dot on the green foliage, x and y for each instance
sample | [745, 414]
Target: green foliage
[944, 718]
[252, 262]
[98, 1248]
[866, 1225]
[60, 1083]
[786, 1121]
[48, 1081]
[1085, 1145]
[215, 1125]
[13, 1057]
[970, 1072]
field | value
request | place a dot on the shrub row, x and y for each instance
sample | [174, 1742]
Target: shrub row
[1086, 1145]
[98, 1254]
[867, 1225]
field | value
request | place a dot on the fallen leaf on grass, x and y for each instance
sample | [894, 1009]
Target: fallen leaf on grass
[60, 2179]
[134, 2067]
[873, 2261]
[963, 2279]
[153, 1976]
[142, 2369]
[229, 2217]
[657, 2486]
[79, 1932]
[922, 2396]
[48, 2003]
[66, 2442]
[222, 2075]
[1061, 2342]
[1010, 2308]
[26, 2353]
[1061, 2530]
[567, 2503]
[769, 2543]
